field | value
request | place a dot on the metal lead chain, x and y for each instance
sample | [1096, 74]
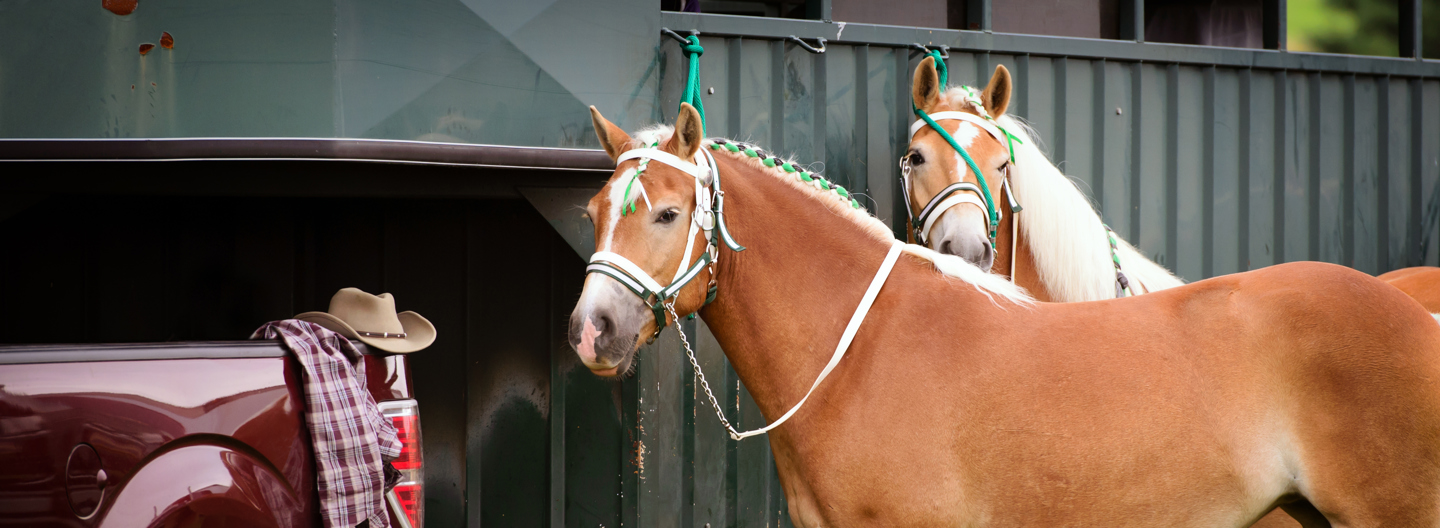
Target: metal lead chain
[700, 373]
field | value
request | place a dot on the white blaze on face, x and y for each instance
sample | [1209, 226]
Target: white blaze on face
[965, 137]
[617, 206]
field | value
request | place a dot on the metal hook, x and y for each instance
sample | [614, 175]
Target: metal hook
[682, 40]
[944, 50]
[809, 48]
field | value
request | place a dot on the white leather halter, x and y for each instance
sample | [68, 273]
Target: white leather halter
[707, 216]
[953, 194]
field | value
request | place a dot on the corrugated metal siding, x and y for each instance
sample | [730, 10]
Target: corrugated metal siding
[1184, 160]
[1208, 169]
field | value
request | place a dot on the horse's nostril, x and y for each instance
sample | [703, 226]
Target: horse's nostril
[945, 248]
[602, 323]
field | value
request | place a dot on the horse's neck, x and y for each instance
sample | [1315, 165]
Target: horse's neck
[784, 301]
[1017, 262]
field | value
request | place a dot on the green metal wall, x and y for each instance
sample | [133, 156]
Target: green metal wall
[489, 72]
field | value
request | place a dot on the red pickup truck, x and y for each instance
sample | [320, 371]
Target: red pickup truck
[176, 434]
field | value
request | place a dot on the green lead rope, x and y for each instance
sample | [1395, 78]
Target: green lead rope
[692, 84]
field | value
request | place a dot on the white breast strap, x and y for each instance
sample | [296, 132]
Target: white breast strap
[981, 122]
[849, 335]
[623, 263]
[953, 200]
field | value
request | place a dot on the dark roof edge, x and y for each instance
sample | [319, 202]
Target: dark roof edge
[240, 149]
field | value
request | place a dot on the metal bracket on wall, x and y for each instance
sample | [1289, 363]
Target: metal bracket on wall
[807, 46]
[682, 40]
[923, 49]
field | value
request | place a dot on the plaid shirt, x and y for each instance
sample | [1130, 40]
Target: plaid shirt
[352, 440]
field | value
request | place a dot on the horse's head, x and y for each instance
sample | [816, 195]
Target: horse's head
[645, 226]
[937, 177]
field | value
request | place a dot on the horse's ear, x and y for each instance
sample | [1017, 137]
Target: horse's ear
[685, 142]
[997, 94]
[925, 92]
[615, 141]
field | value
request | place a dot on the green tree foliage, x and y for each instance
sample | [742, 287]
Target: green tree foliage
[1360, 27]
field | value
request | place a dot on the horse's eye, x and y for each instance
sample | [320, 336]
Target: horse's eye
[916, 158]
[1004, 166]
[667, 216]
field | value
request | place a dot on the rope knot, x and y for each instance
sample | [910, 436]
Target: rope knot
[693, 48]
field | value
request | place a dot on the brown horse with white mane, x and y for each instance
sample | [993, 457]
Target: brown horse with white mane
[1062, 251]
[1056, 247]
[1205, 405]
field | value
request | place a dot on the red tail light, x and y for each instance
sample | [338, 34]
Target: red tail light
[407, 500]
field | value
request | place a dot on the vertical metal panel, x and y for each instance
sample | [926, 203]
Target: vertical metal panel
[734, 52]
[1244, 167]
[1415, 235]
[1283, 166]
[1329, 156]
[799, 89]
[859, 106]
[1078, 97]
[1042, 104]
[1172, 166]
[1136, 143]
[1190, 178]
[712, 443]
[1208, 154]
[1225, 170]
[841, 156]
[1154, 163]
[660, 439]
[1396, 210]
[1260, 116]
[1060, 131]
[879, 107]
[1365, 235]
[714, 75]
[777, 82]
[1429, 171]
[1020, 101]
[1297, 180]
[903, 113]
[1115, 156]
[758, 115]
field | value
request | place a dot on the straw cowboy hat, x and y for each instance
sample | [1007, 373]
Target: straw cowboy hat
[372, 320]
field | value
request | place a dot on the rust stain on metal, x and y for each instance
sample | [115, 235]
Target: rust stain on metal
[640, 459]
[146, 47]
[120, 7]
[167, 41]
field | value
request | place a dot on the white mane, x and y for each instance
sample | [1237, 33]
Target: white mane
[1070, 247]
[948, 265]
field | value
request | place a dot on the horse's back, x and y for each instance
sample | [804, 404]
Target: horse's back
[1354, 371]
[1420, 283]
